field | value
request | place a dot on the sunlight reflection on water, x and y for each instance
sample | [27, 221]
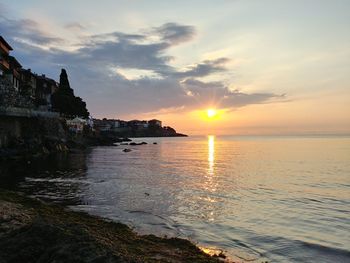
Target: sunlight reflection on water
[211, 157]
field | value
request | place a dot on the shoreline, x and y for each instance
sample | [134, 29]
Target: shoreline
[37, 148]
[45, 232]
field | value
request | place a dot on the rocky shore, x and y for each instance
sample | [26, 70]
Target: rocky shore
[33, 231]
[41, 136]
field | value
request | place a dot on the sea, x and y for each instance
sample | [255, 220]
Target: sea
[256, 198]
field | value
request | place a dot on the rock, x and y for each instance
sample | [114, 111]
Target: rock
[45, 150]
[155, 143]
[32, 231]
[137, 143]
[127, 150]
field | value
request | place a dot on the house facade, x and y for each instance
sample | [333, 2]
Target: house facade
[21, 87]
[5, 49]
[28, 82]
[137, 124]
[13, 74]
[155, 123]
[45, 87]
[9, 66]
[76, 125]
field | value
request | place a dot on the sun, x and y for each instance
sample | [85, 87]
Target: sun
[211, 113]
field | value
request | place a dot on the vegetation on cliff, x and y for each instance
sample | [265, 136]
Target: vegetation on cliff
[64, 100]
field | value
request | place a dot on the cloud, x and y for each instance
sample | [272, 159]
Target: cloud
[204, 68]
[193, 84]
[174, 33]
[112, 36]
[75, 26]
[27, 30]
[3, 10]
[220, 96]
[114, 72]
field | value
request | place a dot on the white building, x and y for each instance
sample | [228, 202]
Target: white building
[76, 125]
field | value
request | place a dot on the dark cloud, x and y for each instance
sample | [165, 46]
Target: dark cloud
[128, 55]
[113, 36]
[174, 33]
[92, 69]
[204, 68]
[196, 84]
[117, 54]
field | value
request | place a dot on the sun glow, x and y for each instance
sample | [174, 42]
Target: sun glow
[211, 113]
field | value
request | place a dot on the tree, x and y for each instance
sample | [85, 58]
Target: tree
[64, 85]
[64, 100]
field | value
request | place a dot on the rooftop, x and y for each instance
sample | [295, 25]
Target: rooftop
[14, 62]
[3, 41]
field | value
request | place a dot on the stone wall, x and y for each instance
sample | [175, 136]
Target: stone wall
[27, 113]
[9, 128]
[10, 97]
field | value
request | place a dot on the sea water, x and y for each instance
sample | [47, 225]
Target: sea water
[281, 199]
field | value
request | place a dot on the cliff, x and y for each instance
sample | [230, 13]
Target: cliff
[28, 136]
[146, 132]
[28, 133]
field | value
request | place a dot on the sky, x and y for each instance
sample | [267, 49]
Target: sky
[266, 66]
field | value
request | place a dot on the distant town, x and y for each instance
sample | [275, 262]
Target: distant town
[27, 95]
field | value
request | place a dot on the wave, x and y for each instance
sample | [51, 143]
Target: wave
[281, 249]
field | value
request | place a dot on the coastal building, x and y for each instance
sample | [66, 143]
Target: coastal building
[155, 123]
[90, 123]
[9, 66]
[145, 124]
[45, 87]
[5, 49]
[20, 87]
[137, 124]
[121, 126]
[9, 82]
[13, 74]
[111, 125]
[76, 125]
[115, 124]
[102, 125]
[28, 83]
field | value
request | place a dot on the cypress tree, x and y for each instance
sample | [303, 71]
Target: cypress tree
[64, 101]
[64, 85]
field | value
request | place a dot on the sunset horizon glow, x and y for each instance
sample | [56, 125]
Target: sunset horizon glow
[281, 68]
